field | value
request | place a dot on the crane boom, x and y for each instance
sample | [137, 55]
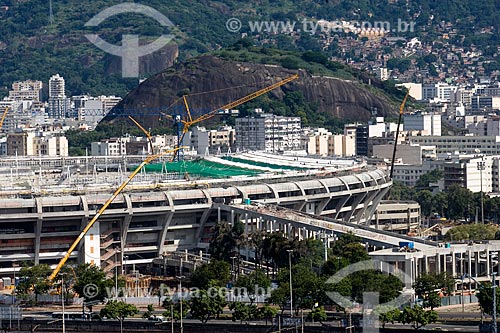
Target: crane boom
[244, 99]
[148, 135]
[188, 123]
[102, 209]
[3, 117]
[401, 109]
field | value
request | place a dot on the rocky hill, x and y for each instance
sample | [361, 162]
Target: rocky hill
[228, 80]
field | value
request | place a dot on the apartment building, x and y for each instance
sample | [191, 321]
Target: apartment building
[26, 91]
[463, 145]
[205, 141]
[428, 124]
[110, 147]
[24, 143]
[268, 132]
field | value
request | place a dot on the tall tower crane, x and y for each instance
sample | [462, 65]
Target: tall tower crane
[401, 109]
[183, 125]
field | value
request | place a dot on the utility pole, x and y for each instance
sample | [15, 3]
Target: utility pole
[494, 287]
[291, 290]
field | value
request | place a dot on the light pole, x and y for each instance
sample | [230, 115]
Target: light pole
[481, 165]
[493, 287]
[180, 277]
[116, 276]
[62, 302]
[291, 292]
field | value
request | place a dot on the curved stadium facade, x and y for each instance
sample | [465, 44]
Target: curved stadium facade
[170, 210]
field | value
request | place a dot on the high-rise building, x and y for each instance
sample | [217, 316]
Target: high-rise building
[59, 104]
[429, 124]
[56, 87]
[268, 132]
[26, 91]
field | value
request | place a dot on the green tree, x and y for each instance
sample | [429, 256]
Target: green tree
[149, 312]
[34, 280]
[428, 286]
[174, 309]
[425, 199]
[215, 272]
[430, 177]
[281, 296]
[485, 298]
[118, 310]
[440, 203]
[349, 246]
[91, 275]
[242, 311]
[205, 306]
[417, 317]
[266, 312]
[472, 232]
[391, 316]
[254, 282]
[307, 286]
[226, 240]
[318, 314]
[459, 201]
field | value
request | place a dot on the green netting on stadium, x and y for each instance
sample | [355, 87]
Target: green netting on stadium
[261, 164]
[202, 168]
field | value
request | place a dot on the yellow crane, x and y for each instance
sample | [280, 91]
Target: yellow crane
[401, 109]
[146, 132]
[3, 117]
[102, 209]
[187, 123]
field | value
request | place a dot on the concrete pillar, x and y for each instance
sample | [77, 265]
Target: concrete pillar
[408, 273]
[476, 262]
[438, 262]
[470, 263]
[232, 217]
[488, 268]
[453, 265]
[498, 264]
[426, 264]
[218, 215]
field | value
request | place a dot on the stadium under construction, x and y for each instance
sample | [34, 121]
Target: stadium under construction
[46, 202]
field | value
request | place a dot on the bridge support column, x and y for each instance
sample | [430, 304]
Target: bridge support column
[438, 262]
[426, 265]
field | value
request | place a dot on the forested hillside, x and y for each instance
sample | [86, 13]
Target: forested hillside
[33, 47]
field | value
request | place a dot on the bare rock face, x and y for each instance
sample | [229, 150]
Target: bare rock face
[229, 80]
[155, 62]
